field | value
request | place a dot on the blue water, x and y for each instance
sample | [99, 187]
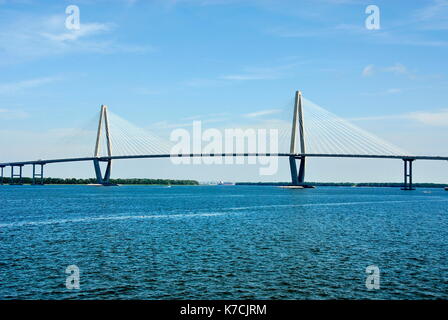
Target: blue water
[222, 242]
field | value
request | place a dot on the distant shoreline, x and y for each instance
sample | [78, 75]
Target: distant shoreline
[132, 181]
[169, 182]
[349, 184]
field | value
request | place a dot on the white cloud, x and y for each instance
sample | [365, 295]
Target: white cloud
[145, 91]
[86, 30]
[435, 11]
[400, 34]
[291, 32]
[400, 69]
[205, 116]
[394, 90]
[332, 30]
[384, 92]
[248, 74]
[26, 37]
[375, 118]
[20, 86]
[368, 70]
[245, 77]
[429, 118]
[397, 69]
[272, 72]
[188, 121]
[262, 113]
[8, 114]
[261, 73]
[198, 82]
[438, 118]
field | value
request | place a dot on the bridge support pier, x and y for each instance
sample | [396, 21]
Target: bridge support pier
[100, 179]
[297, 177]
[19, 175]
[38, 175]
[103, 180]
[293, 167]
[302, 171]
[297, 128]
[408, 175]
[1, 177]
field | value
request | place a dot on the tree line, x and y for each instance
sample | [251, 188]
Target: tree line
[347, 184]
[144, 181]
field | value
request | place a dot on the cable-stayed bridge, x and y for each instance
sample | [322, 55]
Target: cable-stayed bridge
[314, 132]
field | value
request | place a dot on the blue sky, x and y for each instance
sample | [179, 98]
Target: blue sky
[157, 63]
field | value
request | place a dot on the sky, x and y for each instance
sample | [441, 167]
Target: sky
[161, 64]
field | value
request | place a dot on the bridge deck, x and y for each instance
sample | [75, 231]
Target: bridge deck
[297, 155]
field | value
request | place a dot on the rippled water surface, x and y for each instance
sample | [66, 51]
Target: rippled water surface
[222, 242]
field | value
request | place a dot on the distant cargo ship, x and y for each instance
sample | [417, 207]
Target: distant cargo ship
[222, 183]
